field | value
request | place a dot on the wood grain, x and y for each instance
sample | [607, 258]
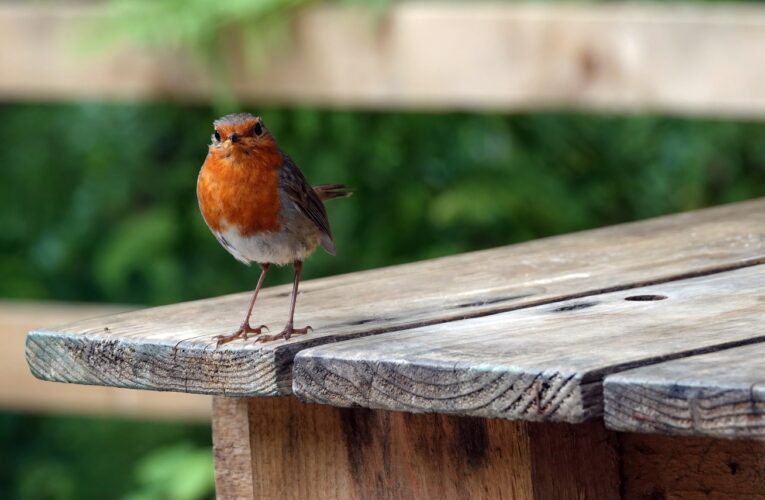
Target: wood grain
[171, 348]
[280, 448]
[665, 467]
[301, 451]
[231, 449]
[417, 55]
[544, 363]
[28, 394]
[720, 394]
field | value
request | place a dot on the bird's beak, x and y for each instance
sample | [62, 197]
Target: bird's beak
[231, 140]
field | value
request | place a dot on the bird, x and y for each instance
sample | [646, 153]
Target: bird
[260, 208]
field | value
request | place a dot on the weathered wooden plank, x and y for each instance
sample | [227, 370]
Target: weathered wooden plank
[720, 394]
[540, 363]
[665, 467]
[27, 394]
[231, 449]
[415, 55]
[170, 348]
[301, 450]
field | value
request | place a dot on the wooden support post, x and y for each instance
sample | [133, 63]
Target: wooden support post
[283, 448]
[663, 467]
[300, 450]
[231, 448]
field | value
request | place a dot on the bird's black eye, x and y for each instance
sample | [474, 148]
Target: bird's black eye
[216, 134]
[257, 129]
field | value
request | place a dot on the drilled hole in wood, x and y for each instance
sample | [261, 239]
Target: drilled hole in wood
[574, 307]
[645, 298]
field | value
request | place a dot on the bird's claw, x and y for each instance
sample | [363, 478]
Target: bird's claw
[285, 334]
[241, 333]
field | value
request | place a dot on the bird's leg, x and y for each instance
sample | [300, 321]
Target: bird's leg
[289, 329]
[245, 327]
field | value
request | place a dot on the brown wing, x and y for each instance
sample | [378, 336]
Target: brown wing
[306, 200]
[332, 191]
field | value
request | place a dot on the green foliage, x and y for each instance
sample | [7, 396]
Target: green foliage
[177, 472]
[72, 458]
[97, 203]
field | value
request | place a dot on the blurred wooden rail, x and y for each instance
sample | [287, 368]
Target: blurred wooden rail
[684, 59]
[20, 391]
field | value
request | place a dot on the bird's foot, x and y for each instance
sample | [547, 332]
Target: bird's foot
[285, 334]
[244, 330]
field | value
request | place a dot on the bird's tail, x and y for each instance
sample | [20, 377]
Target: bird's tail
[331, 191]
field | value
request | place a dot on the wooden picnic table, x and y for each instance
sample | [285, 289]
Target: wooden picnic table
[613, 363]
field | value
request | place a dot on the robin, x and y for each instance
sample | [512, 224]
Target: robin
[261, 208]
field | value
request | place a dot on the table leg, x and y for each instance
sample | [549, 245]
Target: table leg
[231, 448]
[283, 448]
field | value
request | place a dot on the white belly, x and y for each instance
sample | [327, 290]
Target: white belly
[283, 247]
[296, 239]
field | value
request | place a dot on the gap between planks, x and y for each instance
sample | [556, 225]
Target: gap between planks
[543, 363]
[719, 394]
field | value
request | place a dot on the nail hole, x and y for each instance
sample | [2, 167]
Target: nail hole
[645, 298]
[574, 307]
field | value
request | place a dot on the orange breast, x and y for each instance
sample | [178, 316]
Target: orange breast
[240, 192]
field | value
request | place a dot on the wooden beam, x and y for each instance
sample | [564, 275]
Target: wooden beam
[721, 394]
[21, 392]
[299, 450]
[659, 467]
[171, 347]
[686, 59]
[281, 448]
[544, 363]
[231, 448]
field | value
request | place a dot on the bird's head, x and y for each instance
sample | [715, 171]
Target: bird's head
[241, 136]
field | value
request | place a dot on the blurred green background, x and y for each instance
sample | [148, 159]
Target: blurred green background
[97, 204]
